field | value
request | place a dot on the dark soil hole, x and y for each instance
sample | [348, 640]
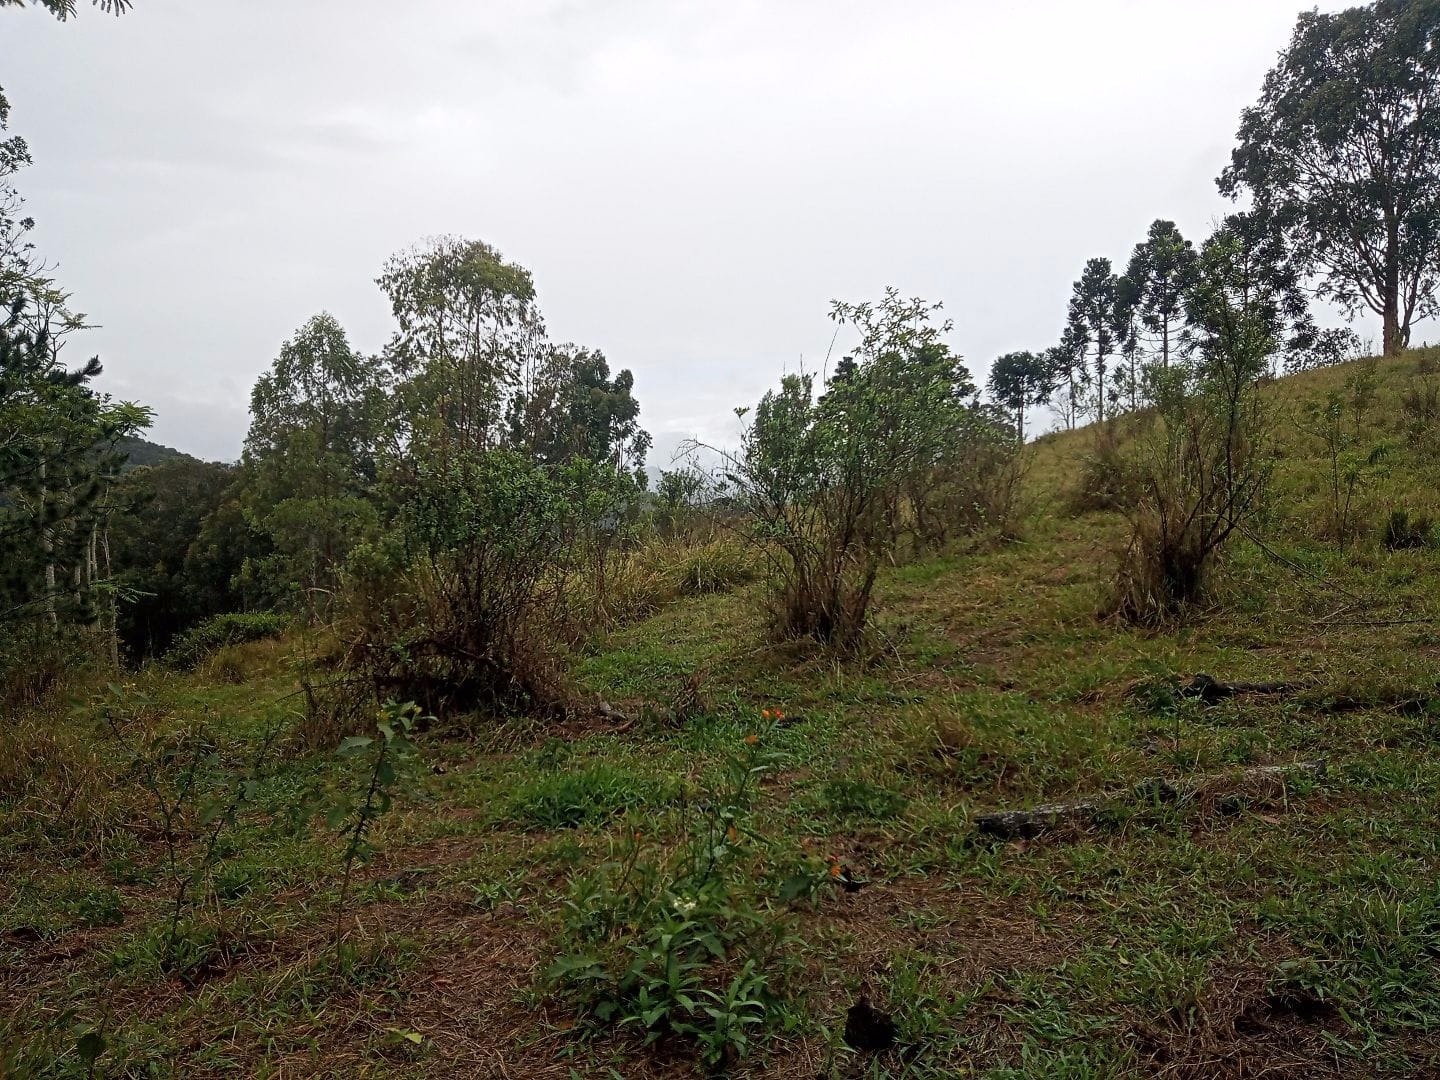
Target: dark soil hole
[1303, 1006]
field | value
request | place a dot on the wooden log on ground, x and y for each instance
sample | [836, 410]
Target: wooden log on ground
[1026, 824]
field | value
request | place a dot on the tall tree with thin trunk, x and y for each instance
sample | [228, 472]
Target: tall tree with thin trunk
[1066, 362]
[466, 327]
[1097, 318]
[1019, 380]
[309, 462]
[1161, 270]
[1342, 153]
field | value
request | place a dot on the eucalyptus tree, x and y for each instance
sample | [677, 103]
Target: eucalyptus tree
[1342, 153]
[466, 326]
[309, 459]
[1248, 264]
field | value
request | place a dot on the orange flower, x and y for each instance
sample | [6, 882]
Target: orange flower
[779, 715]
[765, 714]
[752, 739]
[835, 870]
[732, 834]
[637, 837]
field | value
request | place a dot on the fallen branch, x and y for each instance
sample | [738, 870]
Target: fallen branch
[1025, 824]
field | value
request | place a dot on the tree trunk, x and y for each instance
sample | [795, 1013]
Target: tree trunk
[1393, 338]
[1393, 343]
[1100, 397]
[114, 604]
[47, 541]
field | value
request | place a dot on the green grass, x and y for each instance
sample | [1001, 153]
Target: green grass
[1297, 928]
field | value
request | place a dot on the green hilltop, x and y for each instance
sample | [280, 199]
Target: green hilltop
[1208, 916]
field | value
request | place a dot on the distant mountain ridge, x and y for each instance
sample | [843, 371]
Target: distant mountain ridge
[140, 452]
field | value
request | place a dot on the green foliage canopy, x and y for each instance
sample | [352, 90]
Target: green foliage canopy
[1342, 153]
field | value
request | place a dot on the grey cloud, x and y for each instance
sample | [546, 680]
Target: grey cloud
[689, 182]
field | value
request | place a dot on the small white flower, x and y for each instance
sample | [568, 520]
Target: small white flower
[683, 906]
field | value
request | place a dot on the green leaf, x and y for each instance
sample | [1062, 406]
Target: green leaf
[353, 745]
[90, 1046]
[795, 886]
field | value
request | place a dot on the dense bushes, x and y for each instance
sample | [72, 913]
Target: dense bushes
[197, 644]
[893, 454]
[466, 607]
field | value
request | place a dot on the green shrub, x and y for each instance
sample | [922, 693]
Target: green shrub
[677, 942]
[834, 480]
[469, 607]
[198, 643]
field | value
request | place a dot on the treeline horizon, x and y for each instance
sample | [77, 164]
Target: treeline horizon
[1338, 160]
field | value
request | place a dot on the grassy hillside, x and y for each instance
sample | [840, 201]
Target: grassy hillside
[1282, 926]
[140, 452]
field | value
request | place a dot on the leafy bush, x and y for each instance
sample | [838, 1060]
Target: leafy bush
[215, 634]
[831, 485]
[674, 945]
[468, 607]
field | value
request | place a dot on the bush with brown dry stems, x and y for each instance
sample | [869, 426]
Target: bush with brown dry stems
[1202, 471]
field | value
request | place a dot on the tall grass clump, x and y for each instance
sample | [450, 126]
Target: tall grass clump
[1203, 470]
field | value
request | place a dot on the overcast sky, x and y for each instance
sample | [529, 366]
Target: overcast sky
[690, 183]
